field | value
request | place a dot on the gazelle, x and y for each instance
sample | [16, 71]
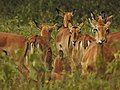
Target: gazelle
[66, 40]
[60, 64]
[67, 17]
[81, 45]
[112, 38]
[67, 37]
[46, 30]
[57, 66]
[42, 41]
[98, 53]
[10, 43]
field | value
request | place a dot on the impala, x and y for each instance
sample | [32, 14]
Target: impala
[98, 54]
[46, 30]
[42, 42]
[60, 64]
[57, 66]
[67, 37]
[81, 45]
[112, 39]
[67, 17]
[10, 43]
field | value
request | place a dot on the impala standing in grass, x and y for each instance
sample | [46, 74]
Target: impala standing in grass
[98, 54]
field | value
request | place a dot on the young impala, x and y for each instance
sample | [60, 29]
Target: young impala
[42, 42]
[67, 17]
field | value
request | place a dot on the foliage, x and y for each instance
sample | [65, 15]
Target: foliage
[17, 16]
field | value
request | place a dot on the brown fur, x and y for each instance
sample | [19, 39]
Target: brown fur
[43, 40]
[97, 51]
[81, 45]
[113, 41]
[9, 43]
[94, 53]
[67, 17]
[57, 67]
[60, 64]
[103, 34]
[66, 38]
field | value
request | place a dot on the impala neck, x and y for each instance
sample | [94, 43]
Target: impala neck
[100, 62]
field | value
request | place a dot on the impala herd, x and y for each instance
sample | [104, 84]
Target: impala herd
[76, 51]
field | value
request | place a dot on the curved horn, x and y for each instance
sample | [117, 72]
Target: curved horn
[109, 18]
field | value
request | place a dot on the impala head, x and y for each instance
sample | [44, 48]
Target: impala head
[100, 28]
[74, 32]
[45, 29]
[66, 15]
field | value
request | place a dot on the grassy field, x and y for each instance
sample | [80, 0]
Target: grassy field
[11, 79]
[16, 16]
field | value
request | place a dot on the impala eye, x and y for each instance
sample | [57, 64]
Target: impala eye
[95, 30]
[79, 31]
[50, 30]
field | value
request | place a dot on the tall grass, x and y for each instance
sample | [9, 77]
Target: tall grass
[11, 79]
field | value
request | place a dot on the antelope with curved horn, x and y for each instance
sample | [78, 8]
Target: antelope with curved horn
[112, 39]
[98, 54]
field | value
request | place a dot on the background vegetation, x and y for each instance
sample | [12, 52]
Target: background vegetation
[17, 16]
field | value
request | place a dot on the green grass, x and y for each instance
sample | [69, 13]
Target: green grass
[11, 79]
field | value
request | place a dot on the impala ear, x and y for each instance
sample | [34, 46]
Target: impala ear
[81, 25]
[107, 24]
[55, 25]
[103, 14]
[74, 11]
[60, 12]
[109, 18]
[37, 25]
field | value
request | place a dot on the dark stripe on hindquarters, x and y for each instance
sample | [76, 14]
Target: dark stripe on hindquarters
[69, 41]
